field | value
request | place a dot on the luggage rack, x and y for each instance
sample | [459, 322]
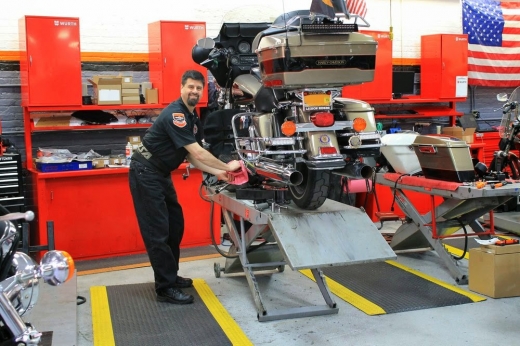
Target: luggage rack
[461, 207]
[294, 237]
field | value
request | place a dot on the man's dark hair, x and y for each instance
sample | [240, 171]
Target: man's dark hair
[193, 74]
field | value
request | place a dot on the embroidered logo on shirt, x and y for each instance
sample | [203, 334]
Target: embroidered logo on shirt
[179, 120]
[195, 129]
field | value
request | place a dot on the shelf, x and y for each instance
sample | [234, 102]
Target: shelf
[91, 107]
[85, 173]
[89, 127]
[423, 112]
[415, 99]
[89, 172]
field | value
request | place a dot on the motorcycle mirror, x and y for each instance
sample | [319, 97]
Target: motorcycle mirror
[502, 97]
[206, 43]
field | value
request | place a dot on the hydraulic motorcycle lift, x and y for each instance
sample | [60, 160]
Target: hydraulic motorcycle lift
[461, 207]
[333, 235]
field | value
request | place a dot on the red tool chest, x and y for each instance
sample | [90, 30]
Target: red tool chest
[444, 66]
[50, 61]
[381, 87]
[169, 47]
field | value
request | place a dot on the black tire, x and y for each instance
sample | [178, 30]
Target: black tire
[313, 190]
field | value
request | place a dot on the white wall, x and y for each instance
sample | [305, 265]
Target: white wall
[118, 26]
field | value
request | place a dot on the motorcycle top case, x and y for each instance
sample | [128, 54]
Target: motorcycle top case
[444, 158]
[293, 60]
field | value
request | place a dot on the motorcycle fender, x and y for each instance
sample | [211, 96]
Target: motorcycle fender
[359, 109]
[265, 125]
[315, 140]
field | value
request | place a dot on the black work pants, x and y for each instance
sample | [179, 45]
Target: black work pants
[160, 219]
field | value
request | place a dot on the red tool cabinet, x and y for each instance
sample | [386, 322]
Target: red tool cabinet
[93, 215]
[444, 66]
[50, 61]
[381, 87]
[170, 44]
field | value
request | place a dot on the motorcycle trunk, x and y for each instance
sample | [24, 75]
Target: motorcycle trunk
[297, 60]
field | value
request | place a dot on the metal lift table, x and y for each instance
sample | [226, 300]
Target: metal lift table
[462, 206]
[333, 235]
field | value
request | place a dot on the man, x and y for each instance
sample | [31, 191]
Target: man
[175, 135]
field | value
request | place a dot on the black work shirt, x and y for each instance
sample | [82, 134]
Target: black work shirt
[174, 128]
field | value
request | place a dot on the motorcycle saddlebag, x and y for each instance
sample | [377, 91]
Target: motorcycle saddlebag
[294, 59]
[444, 158]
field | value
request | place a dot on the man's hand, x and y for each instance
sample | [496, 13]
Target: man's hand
[234, 166]
[224, 176]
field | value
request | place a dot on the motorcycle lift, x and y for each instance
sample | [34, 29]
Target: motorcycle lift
[335, 234]
[462, 206]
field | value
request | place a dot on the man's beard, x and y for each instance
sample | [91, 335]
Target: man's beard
[192, 101]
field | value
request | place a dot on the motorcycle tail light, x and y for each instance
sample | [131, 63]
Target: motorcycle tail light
[359, 124]
[328, 151]
[288, 128]
[322, 119]
[273, 83]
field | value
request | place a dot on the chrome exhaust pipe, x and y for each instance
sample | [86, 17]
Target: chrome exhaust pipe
[279, 173]
[357, 170]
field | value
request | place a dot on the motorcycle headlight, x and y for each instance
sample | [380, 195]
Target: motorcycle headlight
[56, 267]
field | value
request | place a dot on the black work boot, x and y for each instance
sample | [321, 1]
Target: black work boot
[181, 282]
[174, 296]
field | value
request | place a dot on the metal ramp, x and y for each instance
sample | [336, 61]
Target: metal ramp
[336, 234]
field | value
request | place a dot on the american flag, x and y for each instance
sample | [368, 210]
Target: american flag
[493, 29]
[358, 7]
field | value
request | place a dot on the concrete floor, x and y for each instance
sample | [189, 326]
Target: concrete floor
[491, 322]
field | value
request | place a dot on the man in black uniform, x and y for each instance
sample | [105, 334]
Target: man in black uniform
[175, 135]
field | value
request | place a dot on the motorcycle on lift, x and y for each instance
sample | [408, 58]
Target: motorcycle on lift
[280, 86]
[505, 163]
[19, 281]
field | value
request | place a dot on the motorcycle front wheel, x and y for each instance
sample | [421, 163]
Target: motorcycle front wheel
[313, 190]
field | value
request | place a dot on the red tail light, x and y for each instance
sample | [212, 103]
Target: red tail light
[322, 119]
[328, 151]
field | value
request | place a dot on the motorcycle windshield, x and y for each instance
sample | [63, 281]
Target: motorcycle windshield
[509, 117]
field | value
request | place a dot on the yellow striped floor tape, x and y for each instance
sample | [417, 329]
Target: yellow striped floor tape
[103, 333]
[371, 308]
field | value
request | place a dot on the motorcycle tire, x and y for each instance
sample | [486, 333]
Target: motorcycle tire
[314, 189]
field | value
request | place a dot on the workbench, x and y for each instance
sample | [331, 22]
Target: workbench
[463, 205]
[335, 234]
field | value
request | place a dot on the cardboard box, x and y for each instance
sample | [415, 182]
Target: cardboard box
[133, 139]
[131, 100]
[126, 85]
[129, 92]
[100, 162]
[151, 96]
[495, 270]
[126, 79]
[456, 131]
[107, 90]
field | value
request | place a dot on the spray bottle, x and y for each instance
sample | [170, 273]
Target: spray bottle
[128, 153]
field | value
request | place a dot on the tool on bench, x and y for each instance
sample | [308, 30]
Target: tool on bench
[506, 242]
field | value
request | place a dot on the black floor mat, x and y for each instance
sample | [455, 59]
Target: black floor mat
[139, 319]
[384, 288]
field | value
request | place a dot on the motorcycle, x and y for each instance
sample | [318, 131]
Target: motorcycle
[280, 90]
[505, 163]
[19, 281]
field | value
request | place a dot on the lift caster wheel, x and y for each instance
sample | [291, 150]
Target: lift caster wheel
[216, 269]
[280, 269]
